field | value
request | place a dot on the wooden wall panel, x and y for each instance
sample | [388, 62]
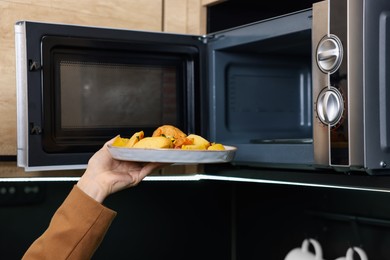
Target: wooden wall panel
[186, 16]
[183, 16]
[211, 2]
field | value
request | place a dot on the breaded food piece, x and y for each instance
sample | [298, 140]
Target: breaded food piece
[169, 131]
[128, 142]
[135, 139]
[199, 140]
[177, 136]
[120, 142]
[193, 147]
[216, 147]
[154, 143]
[178, 143]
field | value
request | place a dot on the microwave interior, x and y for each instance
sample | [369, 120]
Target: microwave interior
[263, 99]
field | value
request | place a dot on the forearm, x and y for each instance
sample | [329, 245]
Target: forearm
[75, 231]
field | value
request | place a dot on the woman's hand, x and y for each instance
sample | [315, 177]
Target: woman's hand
[105, 175]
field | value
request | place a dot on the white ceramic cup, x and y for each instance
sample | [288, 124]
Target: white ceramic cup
[350, 254]
[303, 253]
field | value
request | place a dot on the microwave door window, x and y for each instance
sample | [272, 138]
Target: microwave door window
[91, 98]
[115, 95]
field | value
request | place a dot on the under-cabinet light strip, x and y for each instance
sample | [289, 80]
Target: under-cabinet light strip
[148, 178]
[198, 177]
[39, 179]
[238, 179]
[195, 177]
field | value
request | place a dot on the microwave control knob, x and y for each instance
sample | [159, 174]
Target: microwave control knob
[329, 54]
[330, 106]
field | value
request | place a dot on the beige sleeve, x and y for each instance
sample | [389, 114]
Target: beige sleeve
[75, 231]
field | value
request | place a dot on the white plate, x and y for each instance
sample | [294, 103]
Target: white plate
[173, 155]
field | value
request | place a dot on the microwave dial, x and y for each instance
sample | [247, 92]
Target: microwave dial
[330, 106]
[329, 54]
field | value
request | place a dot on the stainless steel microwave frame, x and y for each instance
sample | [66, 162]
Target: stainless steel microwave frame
[350, 85]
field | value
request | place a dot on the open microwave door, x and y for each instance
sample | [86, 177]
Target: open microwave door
[261, 99]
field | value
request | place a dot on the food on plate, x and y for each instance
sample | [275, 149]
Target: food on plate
[128, 142]
[120, 142]
[199, 140]
[216, 146]
[193, 147]
[178, 143]
[177, 136]
[154, 142]
[169, 131]
[167, 136]
[135, 138]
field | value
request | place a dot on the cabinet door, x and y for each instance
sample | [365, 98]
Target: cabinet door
[130, 14]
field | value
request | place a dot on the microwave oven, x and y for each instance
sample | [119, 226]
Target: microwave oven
[265, 87]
